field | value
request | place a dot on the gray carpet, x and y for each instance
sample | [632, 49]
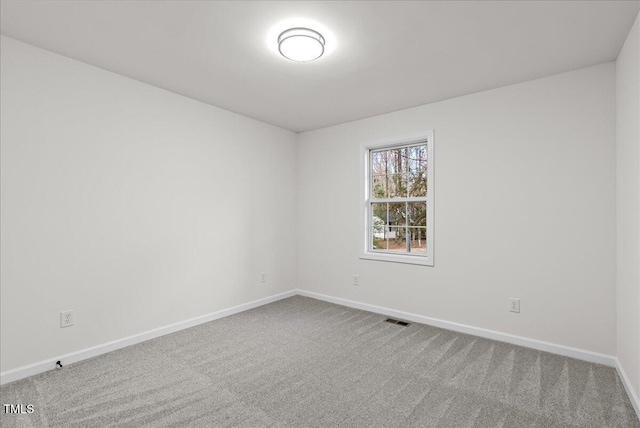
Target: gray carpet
[301, 362]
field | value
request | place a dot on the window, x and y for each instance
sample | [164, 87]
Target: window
[398, 200]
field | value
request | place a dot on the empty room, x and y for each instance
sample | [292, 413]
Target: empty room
[320, 214]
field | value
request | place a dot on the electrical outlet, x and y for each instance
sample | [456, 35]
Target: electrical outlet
[514, 305]
[66, 319]
[263, 277]
[356, 280]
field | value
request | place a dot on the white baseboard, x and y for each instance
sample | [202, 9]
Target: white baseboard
[83, 354]
[567, 351]
[49, 364]
[633, 396]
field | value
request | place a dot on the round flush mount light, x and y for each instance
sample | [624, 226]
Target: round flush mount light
[301, 44]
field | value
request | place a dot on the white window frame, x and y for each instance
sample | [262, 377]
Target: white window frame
[366, 218]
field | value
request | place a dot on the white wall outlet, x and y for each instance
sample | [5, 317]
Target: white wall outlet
[263, 277]
[66, 319]
[514, 305]
[356, 280]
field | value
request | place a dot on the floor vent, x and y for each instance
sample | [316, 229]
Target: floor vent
[392, 321]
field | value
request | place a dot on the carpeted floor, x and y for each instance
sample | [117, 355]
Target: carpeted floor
[301, 362]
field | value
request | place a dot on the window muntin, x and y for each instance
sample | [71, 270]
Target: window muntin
[399, 201]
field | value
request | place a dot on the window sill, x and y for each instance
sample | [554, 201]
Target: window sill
[397, 258]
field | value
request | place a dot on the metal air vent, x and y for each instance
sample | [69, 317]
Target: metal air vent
[397, 322]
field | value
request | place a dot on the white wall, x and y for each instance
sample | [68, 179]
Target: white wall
[133, 206]
[129, 204]
[525, 207]
[628, 205]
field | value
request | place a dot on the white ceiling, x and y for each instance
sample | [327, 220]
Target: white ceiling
[388, 55]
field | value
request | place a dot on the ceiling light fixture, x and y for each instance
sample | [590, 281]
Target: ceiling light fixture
[301, 44]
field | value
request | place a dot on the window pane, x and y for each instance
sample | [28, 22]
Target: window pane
[379, 213]
[417, 158]
[379, 237]
[397, 185]
[397, 242]
[418, 240]
[378, 228]
[379, 162]
[417, 214]
[397, 214]
[379, 187]
[378, 244]
[417, 184]
[379, 176]
[394, 161]
[398, 169]
[417, 170]
[389, 172]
